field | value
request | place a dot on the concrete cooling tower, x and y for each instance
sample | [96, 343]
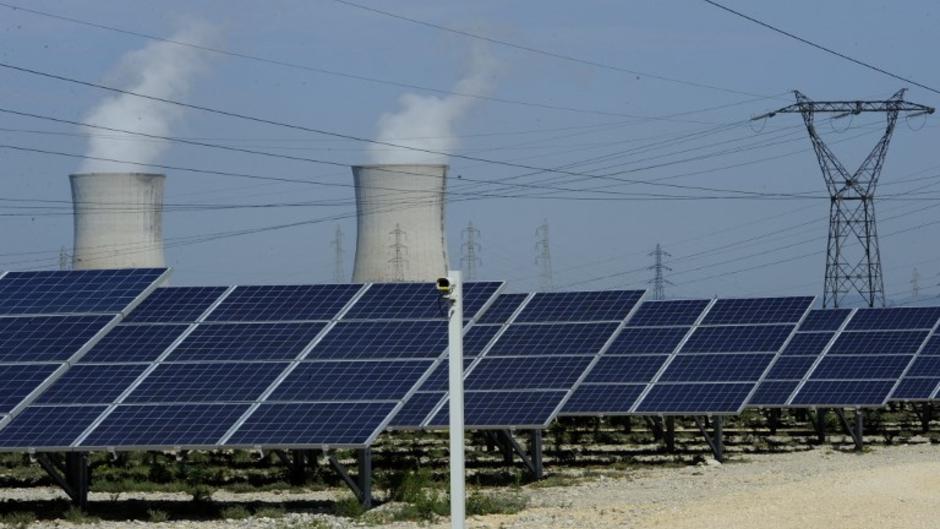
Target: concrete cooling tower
[118, 220]
[400, 231]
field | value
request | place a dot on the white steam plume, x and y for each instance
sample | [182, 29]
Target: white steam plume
[160, 69]
[427, 122]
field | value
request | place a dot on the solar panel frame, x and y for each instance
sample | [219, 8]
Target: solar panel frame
[905, 380]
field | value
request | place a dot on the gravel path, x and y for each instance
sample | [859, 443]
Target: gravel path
[887, 488]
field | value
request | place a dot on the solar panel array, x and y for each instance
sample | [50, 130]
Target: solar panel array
[523, 357]
[48, 320]
[272, 366]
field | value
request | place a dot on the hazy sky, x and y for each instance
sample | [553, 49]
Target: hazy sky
[730, 247]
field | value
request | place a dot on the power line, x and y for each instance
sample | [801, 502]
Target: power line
[817, 46]
[546, 53]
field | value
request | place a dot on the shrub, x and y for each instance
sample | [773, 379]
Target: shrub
[234, 512]
[17, 520]
[157, 516]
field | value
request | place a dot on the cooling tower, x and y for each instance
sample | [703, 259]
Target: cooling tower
[400, 231]
[118, 220]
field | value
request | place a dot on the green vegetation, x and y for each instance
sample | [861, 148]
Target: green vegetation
[271, 512]
[157, 516]
[78, 516]
[234, 512]
[17, 520]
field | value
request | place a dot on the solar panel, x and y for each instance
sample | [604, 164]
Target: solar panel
[78, 291]
[502, 308]
[860, 367]
[499, 409]
[737, 339]
[637, 368]
[757, 310]
[560, 339]
[526, 372]
[335, 424]
[153, 425]
[206, 382]
[601, 399]
[284, 303]
[175, 304]
[716, 368]
[932, 347]
[246, 341]
[848, 393]
[915, 389]
[807, 343]
[647, 340]
[416, 409]
[773, 393]
[91, 384]
[907, 318]
[683, 312]
[691, 399]
[609, 305]
[411, 301]
[791, 368]
[382, 339]
[134, 343]
[440, 377]
[375, 380]
[47, 338]
[825, 319]
[48, 426]
[18, 381]
[476, 338]
[878, 342]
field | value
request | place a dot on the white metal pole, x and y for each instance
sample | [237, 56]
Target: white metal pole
[455, 349]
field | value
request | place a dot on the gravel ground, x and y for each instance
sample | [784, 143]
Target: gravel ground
[887, 488]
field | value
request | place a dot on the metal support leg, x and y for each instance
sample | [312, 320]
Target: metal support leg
[535, 454]
[365, 477]
[669, 434]
[715, 440]
[859, 436]
[655, 425]
[925, 414]
[820, 425]
[298, 467]
[73, 475]
[773, 420]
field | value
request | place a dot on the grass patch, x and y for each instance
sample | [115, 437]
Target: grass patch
[17, 520]
[234, 512]
[271, 512]
[556, 480]
[157, 516]
[349, 507]
[510, 502]
[77, 516]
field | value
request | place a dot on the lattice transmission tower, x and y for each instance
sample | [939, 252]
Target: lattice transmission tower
[339, 266]
[470, 252]
[543, 258]
[399, 260]
[659, 268]
[853, 261]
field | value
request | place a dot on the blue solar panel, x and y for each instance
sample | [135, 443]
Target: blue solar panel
[502, 308]
[608, 305]
[716, 368]
[246, 341]
[878, 342]
[397, 301]
[47, 338]
[175, 304]
[925, 366]
[216, 382]
[416, 409]
[284, 303]
[825, 319]
[894, 318]
[636, 368]
[18, 381]
[91, 384]
[384, 339]
[773, 393]
[791, 367]
[333, 424]
[647, 340]
[915, 388]
[691, 398]
[844, 393]
[757, 310]
[684, 312]
[476, 338]
[932, 347]
[807, 343]
[350, 380]
[74, 291]
[737, 339]
[440, 377]
[861, 367]
[526, 372]
[134, 343]
[48, 426]
[603, 398]
[164, 425]
[492, 409]
[563, 339]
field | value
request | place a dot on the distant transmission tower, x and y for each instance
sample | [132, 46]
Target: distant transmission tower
[470, 250]
[659, 282]
[853, 261]
[339, 267]
[399, 252]
[543, 258]
[65, 260]
[915, 285]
